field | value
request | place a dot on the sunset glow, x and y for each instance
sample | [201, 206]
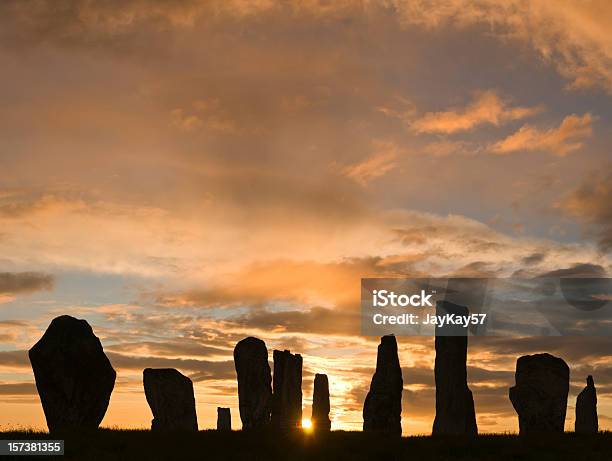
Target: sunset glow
[183, 175]
[306, 424]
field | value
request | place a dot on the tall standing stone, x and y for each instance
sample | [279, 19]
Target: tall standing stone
[254, 382]
[287, 396]
[586, 409]
[224, 419]
[454, 402]
[540, 394]
[382, 410]
[73, 376]
[170, 396]
[320, 404]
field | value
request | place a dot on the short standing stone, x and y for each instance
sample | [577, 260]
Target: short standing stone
[454, 402]
[224, 419]
[382, 410]
[586, 409]
[540, 394]
[73, 376]
[254, 382]
[170, 396]
[320, 404]
[287, 384]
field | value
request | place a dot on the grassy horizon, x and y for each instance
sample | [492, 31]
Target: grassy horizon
[135, 444]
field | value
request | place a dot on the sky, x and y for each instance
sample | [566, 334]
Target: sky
[185, 174]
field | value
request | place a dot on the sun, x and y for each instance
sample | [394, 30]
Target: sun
[306, 424]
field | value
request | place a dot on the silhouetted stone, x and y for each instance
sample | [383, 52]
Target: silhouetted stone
[287, 395]
[454, 401]
[382, 410]
[224, 419]
[320, 404]
[254, 382]
[540, 394]
[73, 376]
[170, 396]
[586, 409]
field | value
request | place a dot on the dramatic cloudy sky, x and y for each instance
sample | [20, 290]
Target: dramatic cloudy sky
[184, 174]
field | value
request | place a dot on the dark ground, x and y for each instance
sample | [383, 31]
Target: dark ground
[355, 446]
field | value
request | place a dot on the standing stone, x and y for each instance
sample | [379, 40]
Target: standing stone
[254, 382]
[73, 376]
[454, 402]
[586, 409]
[224, 419]
[382, 410]
[540, 394]
[320, 404]
[170, 396]
[287, 397]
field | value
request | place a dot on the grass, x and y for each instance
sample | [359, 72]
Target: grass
[135, 445]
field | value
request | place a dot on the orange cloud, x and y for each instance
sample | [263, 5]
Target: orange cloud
[375, 166]
[486, 108]
[573, 36]
[567, 138]
[304, 282]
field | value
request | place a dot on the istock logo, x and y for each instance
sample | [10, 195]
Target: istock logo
[384, 298]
